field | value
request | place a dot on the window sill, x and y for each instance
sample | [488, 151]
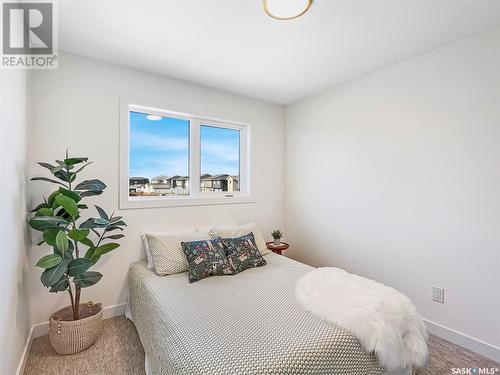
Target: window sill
[159, 202]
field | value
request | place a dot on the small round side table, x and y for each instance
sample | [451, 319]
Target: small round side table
[278, 249]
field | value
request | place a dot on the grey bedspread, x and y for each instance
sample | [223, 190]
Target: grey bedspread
[246, 324]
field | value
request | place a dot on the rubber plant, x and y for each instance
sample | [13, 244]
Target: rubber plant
[277, 234]
[77, 245]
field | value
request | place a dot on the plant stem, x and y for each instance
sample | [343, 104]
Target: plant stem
[76, 303]
[72, 300]
[76, 314]
[69, 178]
[77, 252]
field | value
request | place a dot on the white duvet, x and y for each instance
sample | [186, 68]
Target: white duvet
[384, 320]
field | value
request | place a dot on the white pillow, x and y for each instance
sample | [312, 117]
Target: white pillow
[232, 231]
[146, 247]
[165, 250]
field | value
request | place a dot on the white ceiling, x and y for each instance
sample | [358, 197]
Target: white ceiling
[232, 45]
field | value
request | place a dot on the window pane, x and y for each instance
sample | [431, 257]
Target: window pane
[159, 155]
[220, 159]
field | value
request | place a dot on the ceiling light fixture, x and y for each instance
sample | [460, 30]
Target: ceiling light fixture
[270, 14]
[153, 118]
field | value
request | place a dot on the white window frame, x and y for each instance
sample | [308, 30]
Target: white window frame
[196, 197]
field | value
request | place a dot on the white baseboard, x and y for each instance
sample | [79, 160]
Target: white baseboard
[41, 329]
[24, 356]
[463, 340]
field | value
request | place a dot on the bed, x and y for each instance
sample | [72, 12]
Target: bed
[245, 324]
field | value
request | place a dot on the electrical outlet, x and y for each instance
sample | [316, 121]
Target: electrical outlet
[438, 294]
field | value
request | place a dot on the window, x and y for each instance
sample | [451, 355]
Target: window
[173, 159]
[159, 155]
[220, 159]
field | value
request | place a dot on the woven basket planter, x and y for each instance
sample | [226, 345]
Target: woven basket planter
[69, 336]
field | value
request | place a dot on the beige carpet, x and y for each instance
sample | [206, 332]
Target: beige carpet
[119, 351]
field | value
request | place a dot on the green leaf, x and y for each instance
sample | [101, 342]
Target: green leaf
[90, 253]
[62, 242]
[68, 204]
[87, 242]
[62, 213]
[49, 236]
[41, 205]
[78, 234]
[57, 169]
[73, 161]
[61, 285]
[41, 223]
[102, 213]
[103, 249]
[112, 228]
[78, 266]
[46, 165]
[87, 279]
[115, 219]
[45, 212]
[52, 198]
[68, 255]
[52, 275]
[120, 223]
[91, 185]
[63, 175]
[94, 223]
[49, 261]
[82, 206]
[70, 194]
[117, 225]
[114, 237]
[47, 180]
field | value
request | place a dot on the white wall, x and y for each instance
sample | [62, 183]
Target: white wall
[396, 176]
[77, 106]
[15, 311]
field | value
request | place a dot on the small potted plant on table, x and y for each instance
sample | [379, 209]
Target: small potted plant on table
[67, 269]
[277, 236]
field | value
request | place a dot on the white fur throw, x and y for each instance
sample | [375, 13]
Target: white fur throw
[384, 320]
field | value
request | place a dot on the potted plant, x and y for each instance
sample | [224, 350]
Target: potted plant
[277, 236]
[77, 246]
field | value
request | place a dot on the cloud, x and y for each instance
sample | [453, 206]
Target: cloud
[153, 142]
[220, 151]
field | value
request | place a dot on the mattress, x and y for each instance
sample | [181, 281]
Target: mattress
[245, 324]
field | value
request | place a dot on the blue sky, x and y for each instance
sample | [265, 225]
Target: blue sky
[161, 148]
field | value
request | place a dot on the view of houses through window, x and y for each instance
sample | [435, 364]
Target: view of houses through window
[159, 157]
[220, 159]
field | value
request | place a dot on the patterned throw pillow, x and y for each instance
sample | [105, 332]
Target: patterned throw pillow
[242, 253]
[206, 258]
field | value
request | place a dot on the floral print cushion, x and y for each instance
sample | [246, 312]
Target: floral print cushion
[206, 258]
[242, 253]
